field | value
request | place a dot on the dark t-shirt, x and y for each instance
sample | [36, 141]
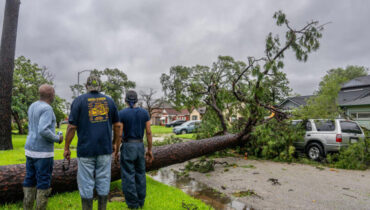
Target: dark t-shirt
[93, 113]
[134, 120]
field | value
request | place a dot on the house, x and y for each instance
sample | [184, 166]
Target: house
[294, 102]
[197, 113]
[354, 99]
[170, 114]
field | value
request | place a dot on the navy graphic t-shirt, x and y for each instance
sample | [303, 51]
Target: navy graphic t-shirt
[134, 120]
[93, 113]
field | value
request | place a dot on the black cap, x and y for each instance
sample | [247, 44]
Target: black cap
[131, 96]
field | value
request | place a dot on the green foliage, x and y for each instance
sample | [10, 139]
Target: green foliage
[356, 156]
[231, 87]
[324, 104]
[115, 84]
[27, 78]
[168, 140]
[202, 166]
[274, 140]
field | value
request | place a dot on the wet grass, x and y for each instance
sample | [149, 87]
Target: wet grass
[159, 196]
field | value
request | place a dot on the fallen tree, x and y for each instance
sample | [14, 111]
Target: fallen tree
[12, 176]
[248, 85]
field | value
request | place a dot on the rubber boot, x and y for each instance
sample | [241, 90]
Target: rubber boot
[42, 198]
[87, 204]
[29, 197]
[102, 202]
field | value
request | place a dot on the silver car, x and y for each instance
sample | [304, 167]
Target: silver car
[324, 136]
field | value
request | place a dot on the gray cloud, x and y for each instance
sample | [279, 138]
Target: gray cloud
[146, 38]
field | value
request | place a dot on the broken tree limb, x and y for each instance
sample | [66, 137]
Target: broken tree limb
[12, 176]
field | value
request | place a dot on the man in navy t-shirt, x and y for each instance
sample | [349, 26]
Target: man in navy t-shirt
[134, 121]
[92, 115]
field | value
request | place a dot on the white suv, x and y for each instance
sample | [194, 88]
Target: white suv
[323, 136]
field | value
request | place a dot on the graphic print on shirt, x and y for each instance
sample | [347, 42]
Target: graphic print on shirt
[98, 109]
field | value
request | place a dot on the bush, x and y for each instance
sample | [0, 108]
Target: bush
[356, 156]
[274, 140]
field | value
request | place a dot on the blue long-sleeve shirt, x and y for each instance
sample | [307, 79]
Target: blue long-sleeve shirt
[41, 131]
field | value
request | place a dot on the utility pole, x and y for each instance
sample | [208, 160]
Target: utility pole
[78, 79]
[7, 53]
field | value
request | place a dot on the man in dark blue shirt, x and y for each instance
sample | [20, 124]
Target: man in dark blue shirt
[134, 121]
[92, 115]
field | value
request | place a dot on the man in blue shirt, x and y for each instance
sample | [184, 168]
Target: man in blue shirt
[134, 121]
[92, 115]
[39, 149]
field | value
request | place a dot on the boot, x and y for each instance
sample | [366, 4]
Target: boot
[102, 202]
[42, 198]
[87, 204]
[29, 197]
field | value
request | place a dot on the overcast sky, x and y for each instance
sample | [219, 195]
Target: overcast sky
[146, 38]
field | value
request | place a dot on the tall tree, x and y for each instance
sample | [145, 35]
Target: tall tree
[324, 104]
[191, 86]
[115, 83]
[7, 53]
[151, 104]
[28, 77]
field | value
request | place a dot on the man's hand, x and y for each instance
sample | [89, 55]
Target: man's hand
[149, 156]
[60, 139]
[67, 154]
[116, 153]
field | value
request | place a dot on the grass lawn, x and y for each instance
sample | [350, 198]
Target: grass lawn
[159, 196]
[156, 129]
[186, 136]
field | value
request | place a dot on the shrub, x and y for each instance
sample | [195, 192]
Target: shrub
[274, 140]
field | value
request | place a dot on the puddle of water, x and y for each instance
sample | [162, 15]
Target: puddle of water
[199, 190]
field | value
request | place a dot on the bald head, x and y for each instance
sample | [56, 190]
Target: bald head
[47, 93]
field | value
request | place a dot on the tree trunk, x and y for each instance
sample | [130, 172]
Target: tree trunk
[7, 53]
[12, 176]
[19, 123]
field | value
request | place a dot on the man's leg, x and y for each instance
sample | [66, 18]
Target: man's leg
[128, 155]
[85, 180]
[102, 179]
[140, 178]
[44, 170]
[29, 185]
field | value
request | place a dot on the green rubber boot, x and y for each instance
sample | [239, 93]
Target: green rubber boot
[29, 197]
[102, 202]
[87, 204]
[42, 199]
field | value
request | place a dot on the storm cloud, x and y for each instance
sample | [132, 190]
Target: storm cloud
[146, 38]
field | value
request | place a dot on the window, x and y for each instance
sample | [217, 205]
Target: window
[325, 125]
[350, 127]
[363, 115]
[308, 126]
[194, 117]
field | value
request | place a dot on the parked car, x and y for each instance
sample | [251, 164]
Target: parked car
[188, 127]
[324, 136]
[175, 123]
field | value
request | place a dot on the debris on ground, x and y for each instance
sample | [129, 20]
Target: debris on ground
[274, 181]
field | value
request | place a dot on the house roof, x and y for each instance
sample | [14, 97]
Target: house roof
[298, 100]
[361, 101]
[348, 95]
[172, 111]
[357, 82]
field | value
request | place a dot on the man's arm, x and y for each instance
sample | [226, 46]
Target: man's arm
[44, 127]
[117, 131]
[71, 130]
[149, 138]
